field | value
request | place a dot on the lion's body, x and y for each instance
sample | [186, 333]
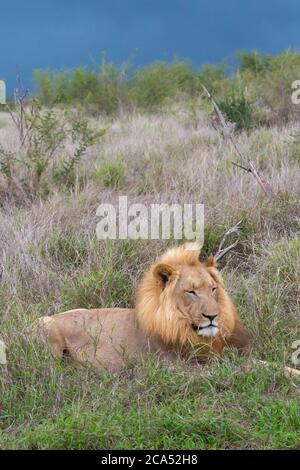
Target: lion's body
[169, 318]
[107, 338]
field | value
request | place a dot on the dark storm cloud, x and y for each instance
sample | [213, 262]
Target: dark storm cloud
[58, 34]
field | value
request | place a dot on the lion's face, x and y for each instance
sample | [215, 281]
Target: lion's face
[196, 295]
[182, 301]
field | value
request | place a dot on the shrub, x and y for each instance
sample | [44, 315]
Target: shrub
[52, 86]
[43, 136]
[238, 110]
[215, 78]
[157, 83]
[104, 91]
[113, 90]
[255, 62]
[268, 82]
[83, 86]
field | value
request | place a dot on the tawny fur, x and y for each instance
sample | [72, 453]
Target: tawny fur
[157, 307]
[162, 321]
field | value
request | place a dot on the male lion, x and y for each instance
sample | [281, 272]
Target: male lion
[181, 307]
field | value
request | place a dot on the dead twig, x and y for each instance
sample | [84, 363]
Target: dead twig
[247, 164]
[18, 117]
[221, 250]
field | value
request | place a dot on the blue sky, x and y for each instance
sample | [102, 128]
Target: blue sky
[66, 33]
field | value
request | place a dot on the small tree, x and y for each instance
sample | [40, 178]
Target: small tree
[43, 136]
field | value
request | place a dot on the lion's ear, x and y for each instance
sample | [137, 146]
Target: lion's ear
[215, 275]
[163, 273]
[210, 262]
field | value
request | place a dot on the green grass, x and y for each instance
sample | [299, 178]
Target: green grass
[151, 405]
[230, 403]
[111, 174]
[66, 249]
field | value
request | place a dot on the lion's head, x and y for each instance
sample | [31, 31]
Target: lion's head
[182, 301]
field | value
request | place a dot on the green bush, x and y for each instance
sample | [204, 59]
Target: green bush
[238, 110]
[268, 82]
[255, 62]
[52, 86]
[216, 79]
[111, 88]
[102, 91]
[156, 84]
[42, 157]
[83, 86]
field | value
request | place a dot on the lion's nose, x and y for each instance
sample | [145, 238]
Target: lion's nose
[210, 317]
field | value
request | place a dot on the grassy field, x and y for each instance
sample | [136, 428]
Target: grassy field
[51, 261]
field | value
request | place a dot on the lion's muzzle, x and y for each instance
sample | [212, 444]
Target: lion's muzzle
[207, 328]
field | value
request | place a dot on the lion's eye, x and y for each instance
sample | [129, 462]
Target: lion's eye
[191, 292]
[213, 289]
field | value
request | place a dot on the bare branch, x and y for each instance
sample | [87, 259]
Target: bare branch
[18, 116]
[241, 166]
[247, 164]
[222, 251]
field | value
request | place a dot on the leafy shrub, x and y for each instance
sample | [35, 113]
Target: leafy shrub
[83, 86]
[84, 137]
[52, 86]
[255, 62]
[238, 110]
[102, 91]
[155, 84]
[113, 90]
[110, 89]
[268, 82]
[215, 78]
[43, 137]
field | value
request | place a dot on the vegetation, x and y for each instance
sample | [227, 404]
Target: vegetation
[42, 157]
[238, 111]
[259, 82]
[159, 143]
